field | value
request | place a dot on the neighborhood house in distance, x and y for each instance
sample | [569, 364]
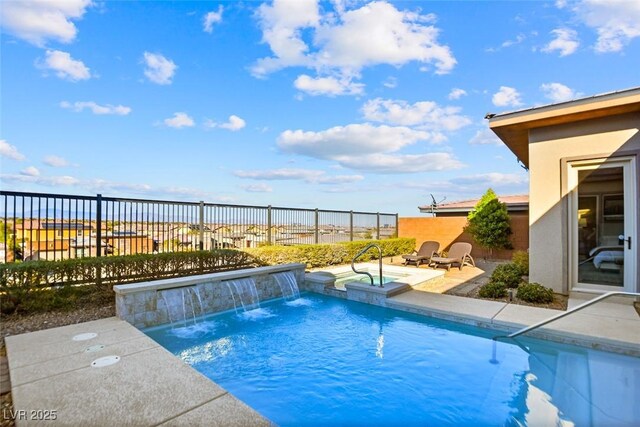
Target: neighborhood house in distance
[56, 240]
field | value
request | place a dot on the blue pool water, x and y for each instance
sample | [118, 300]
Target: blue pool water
[324, 361]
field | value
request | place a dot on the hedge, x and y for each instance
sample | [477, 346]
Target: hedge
[330, 254]
[32, 281]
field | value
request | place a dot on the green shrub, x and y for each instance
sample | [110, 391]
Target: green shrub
[493, 290]
[509, 274]
[535, 292]
[521, 259]
[489, 223]
[330, 254]
[42, 285]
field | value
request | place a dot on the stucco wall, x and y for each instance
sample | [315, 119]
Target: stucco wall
[548, 239]
[447, 230]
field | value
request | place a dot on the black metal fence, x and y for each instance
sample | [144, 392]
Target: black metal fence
[55, 226]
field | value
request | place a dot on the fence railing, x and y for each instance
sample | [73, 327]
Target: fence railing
[56, 226]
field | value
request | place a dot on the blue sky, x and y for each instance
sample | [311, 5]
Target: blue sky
[337, 105]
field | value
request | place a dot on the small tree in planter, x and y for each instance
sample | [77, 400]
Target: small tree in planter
[489, 223]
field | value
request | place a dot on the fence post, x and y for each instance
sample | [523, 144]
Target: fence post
[98, 225]
[98, 238]
[201, 221]
[378, 226]
[397, 226]
[351, 226]
[316, 224]
[269, 224]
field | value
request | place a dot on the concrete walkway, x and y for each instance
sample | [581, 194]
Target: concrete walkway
[53, 370]
[605, 326]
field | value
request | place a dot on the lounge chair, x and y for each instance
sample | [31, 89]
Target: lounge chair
[423, 255]
[460, 253]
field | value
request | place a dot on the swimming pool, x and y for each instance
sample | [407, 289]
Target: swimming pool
[319, 360]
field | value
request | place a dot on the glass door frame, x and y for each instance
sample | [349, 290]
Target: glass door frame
[628, 165]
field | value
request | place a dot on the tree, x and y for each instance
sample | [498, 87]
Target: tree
[489, 223]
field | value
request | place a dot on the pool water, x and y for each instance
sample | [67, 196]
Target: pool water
[325, 361]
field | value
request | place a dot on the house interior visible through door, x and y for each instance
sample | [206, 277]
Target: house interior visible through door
[600, 223]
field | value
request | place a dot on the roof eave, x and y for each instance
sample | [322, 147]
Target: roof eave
[513, 127]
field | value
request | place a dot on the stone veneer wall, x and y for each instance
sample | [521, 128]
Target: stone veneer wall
[140, 303]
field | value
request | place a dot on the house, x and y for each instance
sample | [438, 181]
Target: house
[583, 158]
[516, 205]
[446, 225]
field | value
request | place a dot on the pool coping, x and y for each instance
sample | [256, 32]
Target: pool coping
[613, 334]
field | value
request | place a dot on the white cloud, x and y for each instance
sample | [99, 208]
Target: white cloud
[565, 42]
[353, 139]
[508, 43]
[258, 188]
[65, 66]
[234, 123]
[557, 92]
[212, 18]
[10, 151]
[79, 106]
[179, 120]
[159, 69]
[471, 186]
[330, 86]
[30, 171]
[426, 114]
[367, 147]
[49, 181]
[457, 93]
[55, 161]
[307, 175]
[401, 163]
[485, 137]
[343, 43]
[493, 179]
[102, 185]
[391, 82]
[378, 33]
[616, 22]
[506, 96]
[39, 21]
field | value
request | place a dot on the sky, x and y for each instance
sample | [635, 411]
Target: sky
[351, 105]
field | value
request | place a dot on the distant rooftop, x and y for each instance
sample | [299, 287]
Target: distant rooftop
[519, 202]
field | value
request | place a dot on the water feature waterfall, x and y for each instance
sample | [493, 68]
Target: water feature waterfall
[288, 285]
[182, 304]
[245, 290]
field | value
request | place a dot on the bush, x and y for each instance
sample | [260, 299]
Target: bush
[330, 254]
[521, 259]
[42, 285]
[535, 292]
[508, 274]
[493, 290]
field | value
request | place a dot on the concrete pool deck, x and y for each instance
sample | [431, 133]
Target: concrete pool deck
[53, 381]
[150, 386]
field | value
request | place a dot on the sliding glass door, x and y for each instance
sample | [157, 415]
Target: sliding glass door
[602, 224]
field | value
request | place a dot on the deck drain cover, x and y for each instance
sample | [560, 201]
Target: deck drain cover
[85, 336]
[94, 348]
[105, 361]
